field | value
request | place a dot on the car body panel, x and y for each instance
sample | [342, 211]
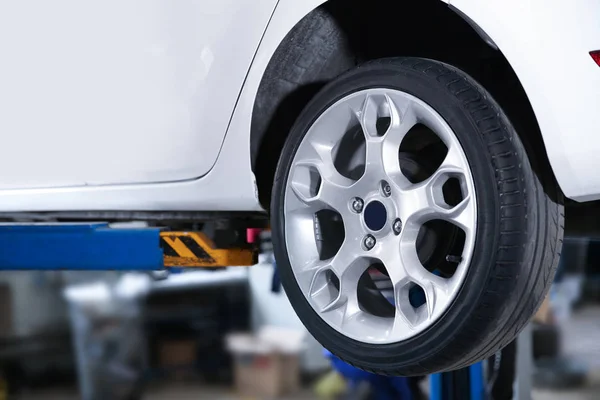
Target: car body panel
[120, 92]
[548, 45]
[561, 82]
[228, 186]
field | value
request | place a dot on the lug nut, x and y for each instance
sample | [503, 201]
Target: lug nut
[369, 242]
[358, 204]
[386, 189]
[397, 226]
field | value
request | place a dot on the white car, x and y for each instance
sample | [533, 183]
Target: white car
[413, 154]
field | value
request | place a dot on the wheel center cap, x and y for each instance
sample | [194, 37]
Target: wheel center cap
[375, 215]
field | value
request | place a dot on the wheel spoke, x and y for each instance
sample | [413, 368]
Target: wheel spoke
[348, 269]
[394, 262]
[325, 164]
[435, 287]
[462, 215]
[331, 191]
[401, 116]
[454, 159]
[427, 198]
[335, 194]
[347, 296]
[427, 204]
[404, 267]
[401, 122]
[382, 147]
[395, 265]
[374, 153]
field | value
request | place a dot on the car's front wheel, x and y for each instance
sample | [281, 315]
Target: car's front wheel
[411, 234]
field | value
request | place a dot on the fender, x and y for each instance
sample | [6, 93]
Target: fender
[548, 46]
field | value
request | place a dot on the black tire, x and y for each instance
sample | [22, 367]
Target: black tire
[518, 237]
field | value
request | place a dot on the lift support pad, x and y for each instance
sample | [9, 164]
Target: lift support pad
[96, 246]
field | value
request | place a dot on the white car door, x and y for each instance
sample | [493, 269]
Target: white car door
[120, 91]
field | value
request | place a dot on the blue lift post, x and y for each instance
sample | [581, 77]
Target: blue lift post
[464, 384]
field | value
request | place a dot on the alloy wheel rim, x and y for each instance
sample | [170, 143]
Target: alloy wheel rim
[382, 213]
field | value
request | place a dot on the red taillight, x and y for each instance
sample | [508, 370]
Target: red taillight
[596, 56]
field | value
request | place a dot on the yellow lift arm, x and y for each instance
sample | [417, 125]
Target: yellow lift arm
[195, 249]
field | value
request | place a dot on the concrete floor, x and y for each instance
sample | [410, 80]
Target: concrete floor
[190, 392]
[580, 334]
[172, 392]
[587, 393]
[581, 340]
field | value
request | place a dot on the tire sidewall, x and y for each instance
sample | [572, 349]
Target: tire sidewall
[431, 341]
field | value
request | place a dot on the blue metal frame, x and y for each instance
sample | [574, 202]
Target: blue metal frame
[435, 387]
[476, 381]
[79, 247]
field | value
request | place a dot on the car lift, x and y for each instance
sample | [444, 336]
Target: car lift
[462, 384]
[99, 247]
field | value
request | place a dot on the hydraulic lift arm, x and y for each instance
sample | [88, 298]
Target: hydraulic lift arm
[97, 246]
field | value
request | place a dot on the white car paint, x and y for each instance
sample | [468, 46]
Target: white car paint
[120, 91]
[230, 184]
[548, 43]
[553, 64]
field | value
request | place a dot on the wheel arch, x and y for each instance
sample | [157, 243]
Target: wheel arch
[326, 38]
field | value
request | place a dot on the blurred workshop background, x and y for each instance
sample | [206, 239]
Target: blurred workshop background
[231, 334]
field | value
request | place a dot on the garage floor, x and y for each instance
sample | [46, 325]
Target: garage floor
[580, 341]
[195, 393]
[175, 392]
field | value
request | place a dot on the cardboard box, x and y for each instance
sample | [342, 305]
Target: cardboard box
[544, 314]
[258, 374]
[266, 365]
[177, 353]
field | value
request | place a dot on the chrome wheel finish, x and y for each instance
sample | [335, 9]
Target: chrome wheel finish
[380, 215]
